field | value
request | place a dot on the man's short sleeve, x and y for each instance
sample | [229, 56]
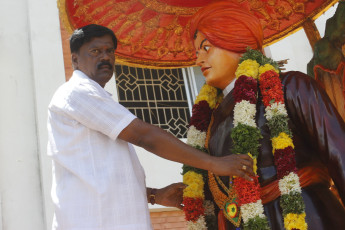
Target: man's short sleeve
[98, 111]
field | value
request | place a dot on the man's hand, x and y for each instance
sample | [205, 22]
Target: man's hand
[171, 195]
[233, 165]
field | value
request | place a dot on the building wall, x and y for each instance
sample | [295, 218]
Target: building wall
[168, 219]
[30, 70]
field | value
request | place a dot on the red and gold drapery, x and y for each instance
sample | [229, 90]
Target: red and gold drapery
[154, 33]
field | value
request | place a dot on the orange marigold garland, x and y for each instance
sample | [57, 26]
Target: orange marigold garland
[193, 208]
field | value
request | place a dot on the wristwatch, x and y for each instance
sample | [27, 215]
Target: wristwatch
[152, 196]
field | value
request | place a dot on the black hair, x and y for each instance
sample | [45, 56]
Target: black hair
[86, 33]
[195, 34]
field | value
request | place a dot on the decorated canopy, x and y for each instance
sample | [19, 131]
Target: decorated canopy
[155, 33]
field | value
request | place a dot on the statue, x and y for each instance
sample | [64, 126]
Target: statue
[284, 121]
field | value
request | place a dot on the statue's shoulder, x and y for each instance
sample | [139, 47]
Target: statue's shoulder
[296, 79]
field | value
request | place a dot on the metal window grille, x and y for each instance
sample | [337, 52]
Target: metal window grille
[155, 96]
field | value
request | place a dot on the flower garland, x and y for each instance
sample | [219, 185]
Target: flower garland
[254, 67]
[246, 136]
[197, 210]
[291, 200]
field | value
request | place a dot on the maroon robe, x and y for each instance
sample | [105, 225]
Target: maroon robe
[319, 137]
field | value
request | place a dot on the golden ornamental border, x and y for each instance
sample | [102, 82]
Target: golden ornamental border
[152, 64]
[61, 4]
[156, 64]
[160, 7]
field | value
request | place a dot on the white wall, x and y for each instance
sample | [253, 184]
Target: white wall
[30, 70]
[48, 73]
[159, 172]
[296, 48]
[321, 21]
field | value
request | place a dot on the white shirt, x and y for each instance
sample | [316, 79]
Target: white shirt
[229, 87]
[98, 182]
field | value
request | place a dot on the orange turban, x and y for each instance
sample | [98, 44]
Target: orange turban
[229, 26]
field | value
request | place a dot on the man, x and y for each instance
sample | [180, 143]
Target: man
[98, 182]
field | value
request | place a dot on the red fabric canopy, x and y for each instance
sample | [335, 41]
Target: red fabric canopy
[154, 33]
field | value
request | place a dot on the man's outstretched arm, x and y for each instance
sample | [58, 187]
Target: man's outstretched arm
[165, 145]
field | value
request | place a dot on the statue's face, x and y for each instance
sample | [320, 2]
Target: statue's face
[217, 65]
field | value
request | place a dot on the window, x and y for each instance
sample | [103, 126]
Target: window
[157, 96]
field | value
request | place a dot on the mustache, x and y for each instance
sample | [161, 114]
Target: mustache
[104, 63]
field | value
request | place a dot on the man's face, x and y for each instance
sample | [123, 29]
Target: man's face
[96, 59]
